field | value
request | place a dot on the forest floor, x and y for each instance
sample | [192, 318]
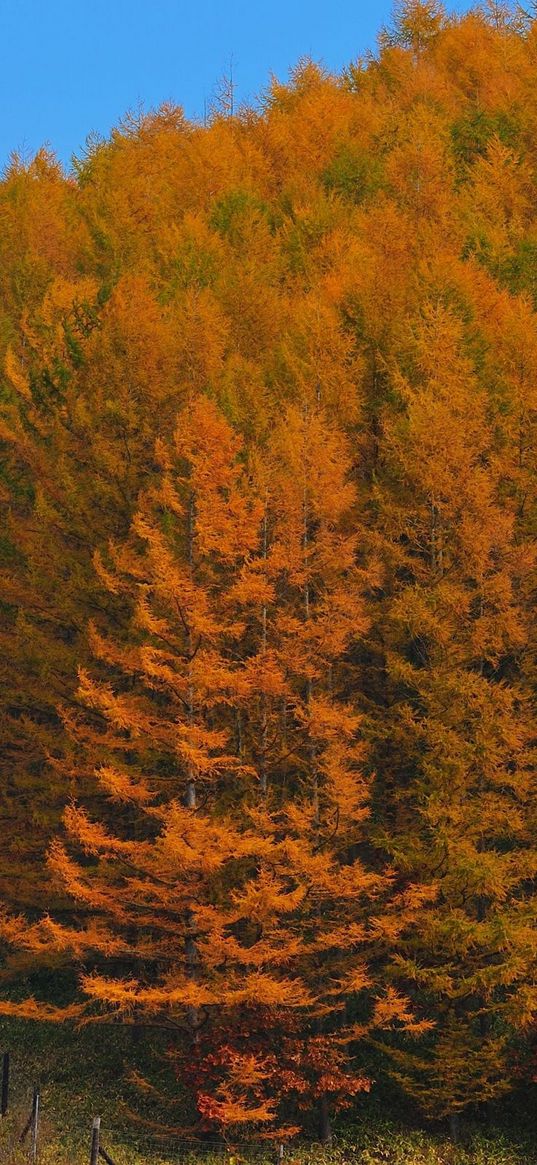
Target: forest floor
[82, 1074]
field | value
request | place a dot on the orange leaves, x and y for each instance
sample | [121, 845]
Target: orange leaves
[232, 1111]
[227, 520]
[253, 588]
[33, 1009]
[134, 355]
[123, 712]
[121, 787]
[191, 841]
[203, 330]
[393, 1009]
[91, 836]
[15, 374]
[357, 979]
[329, 721]
[127, 995]
[309, 455]
[270, 457]
[266, 897]
[262, 989]
[264, 673]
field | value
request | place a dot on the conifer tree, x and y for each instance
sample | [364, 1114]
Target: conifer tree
[458, 785]
[347, 275]
[231, 888]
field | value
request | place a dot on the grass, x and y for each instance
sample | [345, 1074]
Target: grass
[82, 1074]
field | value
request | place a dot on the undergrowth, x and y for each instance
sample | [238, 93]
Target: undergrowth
[83, 1073]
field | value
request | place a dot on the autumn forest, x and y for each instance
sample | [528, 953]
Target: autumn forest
[268, 561]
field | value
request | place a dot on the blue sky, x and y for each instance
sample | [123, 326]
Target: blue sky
[69, 67]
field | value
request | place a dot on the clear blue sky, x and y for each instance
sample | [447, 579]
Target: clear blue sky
[68, 67]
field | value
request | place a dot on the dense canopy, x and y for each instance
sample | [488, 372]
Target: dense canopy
[267, 568]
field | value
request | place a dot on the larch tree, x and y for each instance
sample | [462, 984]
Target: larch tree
[346, 274]
[459, 797]
[83, 405]
[235, 905]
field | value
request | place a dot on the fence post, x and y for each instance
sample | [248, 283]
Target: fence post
[280, 1153]
[95, 1131]
[34, 1127]
[106, 1156]
[4, 1101]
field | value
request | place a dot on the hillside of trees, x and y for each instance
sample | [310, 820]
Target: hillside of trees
[268, 552]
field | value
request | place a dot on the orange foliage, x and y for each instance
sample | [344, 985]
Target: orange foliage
[268, 425]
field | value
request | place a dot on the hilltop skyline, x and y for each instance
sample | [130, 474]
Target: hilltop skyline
[70, 70]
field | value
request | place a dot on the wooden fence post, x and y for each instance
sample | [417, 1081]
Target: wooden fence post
[95, 1132]
[4, 1101]
[35, 1127]
[105, 1156]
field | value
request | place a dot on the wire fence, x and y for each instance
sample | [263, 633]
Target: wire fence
[24, 1140]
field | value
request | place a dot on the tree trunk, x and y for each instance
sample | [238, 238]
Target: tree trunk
[264, 718]
[325, 1128]
[455, 1127]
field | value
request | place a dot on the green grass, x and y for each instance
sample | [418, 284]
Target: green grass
[83, 1073]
